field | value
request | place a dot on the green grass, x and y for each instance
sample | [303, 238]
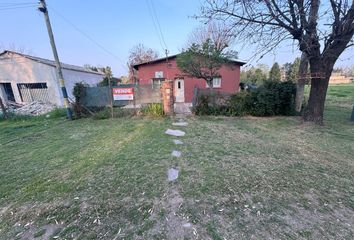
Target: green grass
[241, 178]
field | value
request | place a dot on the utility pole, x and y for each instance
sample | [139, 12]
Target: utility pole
[43, 8]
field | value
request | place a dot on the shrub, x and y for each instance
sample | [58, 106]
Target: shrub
[271, 98]
[153, 110]
[240, 103]
[102, 114]
[79, 93]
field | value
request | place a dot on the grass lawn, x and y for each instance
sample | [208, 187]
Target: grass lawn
[240, 178]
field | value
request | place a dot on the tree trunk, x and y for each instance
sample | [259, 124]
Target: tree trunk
[320, 73]
[3, 109]
[315, 108]
[303, 69]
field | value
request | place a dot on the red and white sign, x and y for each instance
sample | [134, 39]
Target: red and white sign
[123, 93]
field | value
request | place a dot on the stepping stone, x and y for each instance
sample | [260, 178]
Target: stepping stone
[176, 133]
[176, 153]
[177, 142]
[182, 124]
[172, 174]
[187, 225]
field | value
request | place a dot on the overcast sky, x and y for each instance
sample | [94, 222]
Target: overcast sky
[102, 32]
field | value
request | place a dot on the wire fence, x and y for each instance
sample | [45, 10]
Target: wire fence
[103, 96]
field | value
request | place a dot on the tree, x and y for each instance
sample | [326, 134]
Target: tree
[322, 31]
[217, 32]
[274, 73]
[255, 75]
[203, 61]
[139, 54]
[107, 71]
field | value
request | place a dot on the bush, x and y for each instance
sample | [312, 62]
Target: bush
[153, 110]
[271, 98]
[105, 113]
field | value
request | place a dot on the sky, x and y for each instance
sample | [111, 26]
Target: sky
[101, 33]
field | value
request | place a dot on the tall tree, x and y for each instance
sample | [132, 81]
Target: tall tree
[221, 36]
[274, 73]
[139, 54]
[322, 31]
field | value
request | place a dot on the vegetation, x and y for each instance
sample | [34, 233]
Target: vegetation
[139, 54]
[262, 178]
[270, 99]
[203, 60]
[274, 74]
[322, 32]
[153, 110]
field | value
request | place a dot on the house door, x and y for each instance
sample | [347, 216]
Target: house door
[179, 90]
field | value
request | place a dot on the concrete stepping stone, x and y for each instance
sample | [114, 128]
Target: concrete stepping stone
[176, 153]
[177, 142]
[172, 174]
[187, 225]
[176, 133]
[181, 124]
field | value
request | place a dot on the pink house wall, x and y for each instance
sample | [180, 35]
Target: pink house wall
[230, 77]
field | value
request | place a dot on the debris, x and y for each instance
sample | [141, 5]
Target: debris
[172, 174]
[176, 133]
[177, 142]
[34, 108]
[176, 153]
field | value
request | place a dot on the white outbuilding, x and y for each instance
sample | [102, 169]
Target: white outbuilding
[25, 78]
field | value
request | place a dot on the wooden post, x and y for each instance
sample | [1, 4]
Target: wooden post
[3, 109]
[111, 96]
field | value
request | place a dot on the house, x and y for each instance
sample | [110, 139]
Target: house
[338, 78]
[156, 71]
[25, 78]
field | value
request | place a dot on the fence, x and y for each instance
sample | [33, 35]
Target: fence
[213, 96]
[101, 96]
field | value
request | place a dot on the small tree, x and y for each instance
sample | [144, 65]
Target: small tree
[203, 61]
[274, 73]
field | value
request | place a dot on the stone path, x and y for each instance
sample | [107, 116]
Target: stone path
[177, 227]
[176, 133]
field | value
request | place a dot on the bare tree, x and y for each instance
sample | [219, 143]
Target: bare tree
[322, 31]
[221, 35]
[139, 54]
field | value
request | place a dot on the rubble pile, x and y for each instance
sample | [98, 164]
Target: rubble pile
[34, 108]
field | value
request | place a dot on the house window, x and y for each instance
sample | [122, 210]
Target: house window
[159, 74]
[30, 92]
[156, 82]
[216, 82]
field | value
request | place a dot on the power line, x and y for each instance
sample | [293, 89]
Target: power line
[88, 37]
[155, 25]
[158, 23]
[14, 8]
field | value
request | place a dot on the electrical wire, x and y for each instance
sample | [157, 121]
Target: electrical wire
[155, 25]
[15, 8]
[88, 37]
[158, 23]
